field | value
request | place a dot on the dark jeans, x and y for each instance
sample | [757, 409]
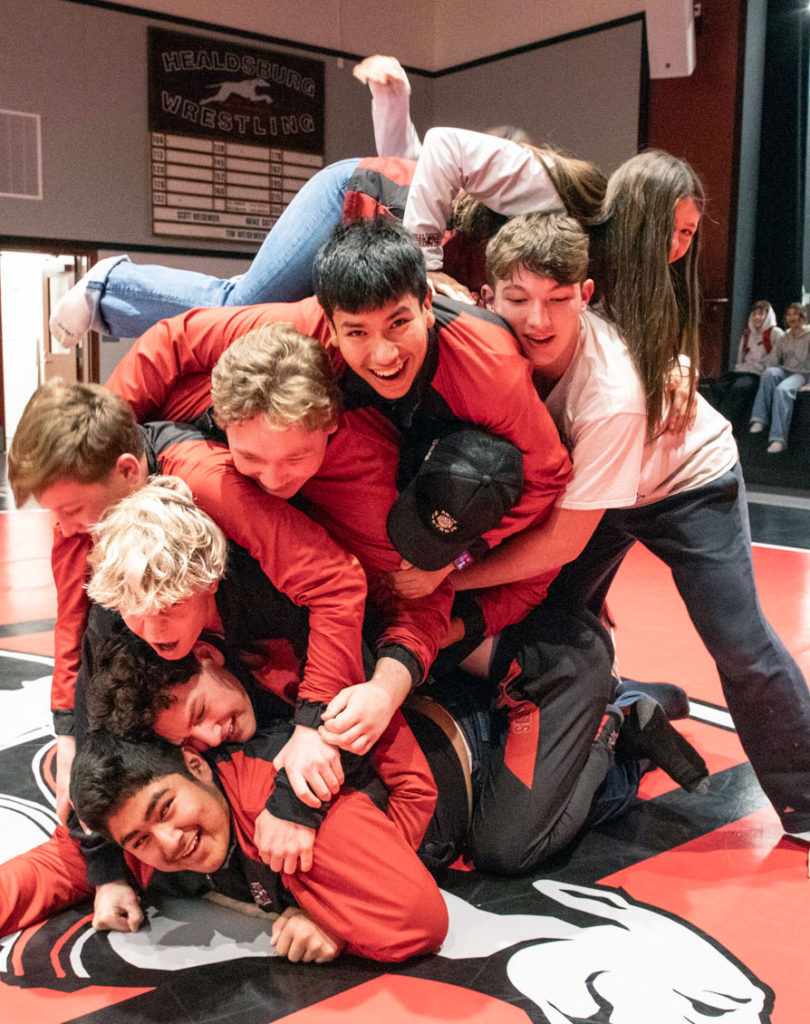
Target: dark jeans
[703, 535]
[733, 395]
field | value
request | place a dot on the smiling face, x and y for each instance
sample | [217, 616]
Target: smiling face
[211, 708]
[545, 317]
[687, 220]
[279, 459]
[173, 631]
[176, 823]
[758, 318]
[386, 346]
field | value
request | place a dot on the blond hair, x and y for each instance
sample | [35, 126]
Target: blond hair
[550, 245]
[154, 549]
[69, 432]
[276, 372]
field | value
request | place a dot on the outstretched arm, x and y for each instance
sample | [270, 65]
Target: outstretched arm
[184, 349]
[394, 132]
[542, 549]
[69, 567]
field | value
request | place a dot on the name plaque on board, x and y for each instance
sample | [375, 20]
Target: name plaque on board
[234, 134]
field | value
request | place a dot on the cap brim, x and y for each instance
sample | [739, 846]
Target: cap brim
[416, 543]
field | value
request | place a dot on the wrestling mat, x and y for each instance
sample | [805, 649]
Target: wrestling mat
[689, 909]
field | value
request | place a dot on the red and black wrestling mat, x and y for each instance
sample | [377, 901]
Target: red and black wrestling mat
[689, 909]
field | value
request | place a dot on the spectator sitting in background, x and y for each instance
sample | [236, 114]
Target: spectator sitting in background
[733, 394]
[789, 371]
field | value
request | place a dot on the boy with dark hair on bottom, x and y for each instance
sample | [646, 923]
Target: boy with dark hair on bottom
[173, 809]
[361, 883]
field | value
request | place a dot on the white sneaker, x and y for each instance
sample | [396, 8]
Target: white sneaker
[75, 313]
[756, 427]
[72, 316]
[776, 446]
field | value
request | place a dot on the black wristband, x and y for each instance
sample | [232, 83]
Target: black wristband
[308, 712]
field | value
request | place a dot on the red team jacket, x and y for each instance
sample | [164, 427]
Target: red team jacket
[296, 554]
[366, 884]
[480, 377]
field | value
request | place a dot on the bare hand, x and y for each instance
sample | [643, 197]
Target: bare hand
[683, 409]
[296, 936]
[117, 908]
[284, 845]
[313, 766]
[412, 583]
[379, 69]
[443, 284]
[357, 717]
[65, 752]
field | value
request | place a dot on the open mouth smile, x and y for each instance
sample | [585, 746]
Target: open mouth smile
[193, 846]
[389, 374]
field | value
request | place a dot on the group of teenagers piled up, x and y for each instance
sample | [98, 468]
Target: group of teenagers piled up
[772, 366]
[331, 568]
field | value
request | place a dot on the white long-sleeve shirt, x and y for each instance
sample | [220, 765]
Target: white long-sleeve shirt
[507, 177]
[394, 131]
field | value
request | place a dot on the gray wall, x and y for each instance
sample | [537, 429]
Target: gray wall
[580, 95]
[83, 69]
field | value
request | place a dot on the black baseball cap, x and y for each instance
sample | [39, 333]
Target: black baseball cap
[466, 484]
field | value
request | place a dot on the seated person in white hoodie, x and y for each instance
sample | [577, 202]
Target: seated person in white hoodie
[789, 371]
[733, 394]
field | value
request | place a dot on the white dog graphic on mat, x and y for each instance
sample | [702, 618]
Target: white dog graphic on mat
[639, 966]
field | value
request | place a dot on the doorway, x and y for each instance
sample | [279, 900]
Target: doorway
[31, 283]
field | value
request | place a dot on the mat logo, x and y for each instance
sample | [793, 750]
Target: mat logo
[637, 965]
[634, 965]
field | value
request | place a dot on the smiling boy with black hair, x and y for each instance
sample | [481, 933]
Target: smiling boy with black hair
[173, 809]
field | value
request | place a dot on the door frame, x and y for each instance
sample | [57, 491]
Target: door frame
[84, 257]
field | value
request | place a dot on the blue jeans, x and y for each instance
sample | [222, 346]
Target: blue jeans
[617, 794]
[703, 535]
[128, 298]
[774, 402]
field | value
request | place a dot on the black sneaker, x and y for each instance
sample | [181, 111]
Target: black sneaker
[672, 698]
[646, 732]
